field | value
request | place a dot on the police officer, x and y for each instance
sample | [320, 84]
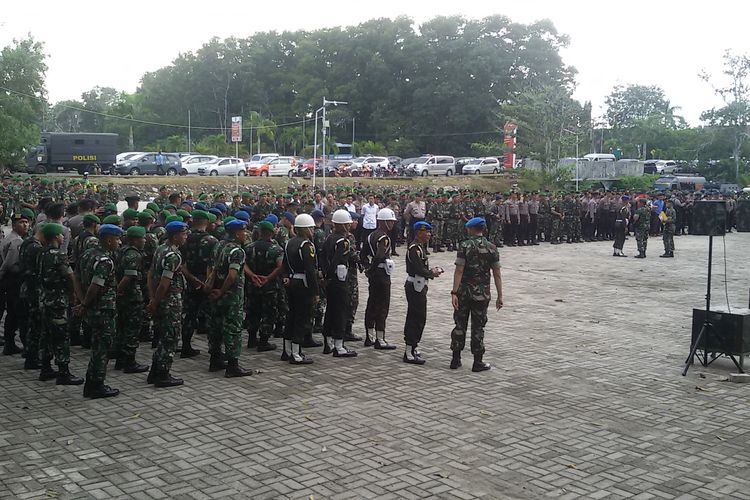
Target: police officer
[418, 272]
[335, 267]
[302, 278]
[476, 258]
[10, 278]
[376, 250]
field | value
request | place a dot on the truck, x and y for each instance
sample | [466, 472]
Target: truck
[680, 182]
[62, 152]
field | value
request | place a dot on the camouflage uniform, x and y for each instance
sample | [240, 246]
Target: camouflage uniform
[453, 225]
[197, 252]
[498, 215]
[130, 309]
[167, 263]
[54, 273]
[30, 323]
[352, 285]
[669, 230]
[642, 226]
[262, 257]
[228, 311]
[320, 309]
[479, 257]
[569, 211]
[99, 268]
[557, 222]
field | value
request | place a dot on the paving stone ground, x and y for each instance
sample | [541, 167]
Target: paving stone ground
[585, 400]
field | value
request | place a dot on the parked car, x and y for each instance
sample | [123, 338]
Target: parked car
[122, 157]
[223, 166]
[599, 157]
[191, 163]
[260, 159]
[660, 166]
[433, 165]
[460, 162]
[145, 164]
[394, 161]
[280, 166]
[487, 165]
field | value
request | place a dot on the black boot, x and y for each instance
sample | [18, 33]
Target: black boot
[252, 340]
[187, 349]
[310, 341]
[130, 365]
[456, 361]
[120, 363]
[368, 340]
[152, 374]
[415, 358]
[317, 328]
[235, 370]
[97, 390]
[216, 363]
[47, 372]
[479, 365]
[326, 347]
[10, 348]
[64, 377]
[167, 380]
[264, 346]
[31, 364]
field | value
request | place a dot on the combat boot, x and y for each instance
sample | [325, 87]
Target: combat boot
[130, 365]
[216, 363]
[120, 363]
[456, 361]
[381, 344]
[235, 370]
[64, 377]
[479, 365]
[187, 349]
[368, 338]
[31, 364]
[167, 380]
[97, 390]
[47, 372]
[349, 336]
[152, 374]
[309, 341]
[252, 340]
[264, 345]
[10, 348]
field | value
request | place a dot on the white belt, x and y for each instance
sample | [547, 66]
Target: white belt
[299, 276]
[410, 278]
[382, 265]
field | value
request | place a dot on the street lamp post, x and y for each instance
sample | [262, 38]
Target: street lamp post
[315, 147]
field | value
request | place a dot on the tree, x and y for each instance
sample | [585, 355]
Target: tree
[626, 106]
[736, 96]
[22, 98]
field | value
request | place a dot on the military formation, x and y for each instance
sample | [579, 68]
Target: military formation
[76, 271]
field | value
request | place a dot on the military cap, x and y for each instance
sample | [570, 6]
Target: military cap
[136, 232]
[265, 225]
[162, 188]
[132, 196]
[145, 215]
[153, 207]
[475, 222]
[215, 211]
[173, 218]
[112, 219]
[91, 218]
[211, 217]
[176, 227]
[245, 194]
[110, 229]
[169, 206]
[272, 218]
[184, 214]
[28, 213]
[242, 215]
[289, 216]
[200, 214]
[317, 214]
[80, 192]
[234, 225]
[17, 216]
[221, 207]
[187, 202]
[52, 229]
[200, 206]
[422, 225]
[130, 213]
[228, 218]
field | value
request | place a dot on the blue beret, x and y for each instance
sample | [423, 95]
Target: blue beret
[201, 206]
[273, 219]
[176, 227]
[289, 216]
[476, 221]
[498, 197]
[215, 211]
[317, 214]
[422, 224]
[242, 215]
[234, 225]
[106, 229]
[187, 202]
[626, 198]
[222, 208]
[355, 215]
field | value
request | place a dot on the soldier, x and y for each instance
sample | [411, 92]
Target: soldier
[29, 294]
[512, 221]
[669, 229]
[57, 290]
[264, 265]
[557, 214]
[335, 268]
[130, 308]
[98, 305]
[418, 272]
[166, 284]
[320, 308]
[302, 277]
[197, 254]
[352, 281]
[621, 226]
[642, 221]
[10, 279]
[569, 214]
[376, 251]
[475, 260]
[229, 296]
[498, 215]
[146, 220]
[452, 226]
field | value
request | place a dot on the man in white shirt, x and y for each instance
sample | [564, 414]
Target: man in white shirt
[369, 217]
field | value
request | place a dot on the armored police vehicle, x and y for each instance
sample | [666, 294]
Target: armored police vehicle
[62, 152]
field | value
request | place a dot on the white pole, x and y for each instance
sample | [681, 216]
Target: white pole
[315, 146]
[576, 163]
[323, 162]
[190, 149]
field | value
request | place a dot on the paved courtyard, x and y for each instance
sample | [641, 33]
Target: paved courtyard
[585, 399]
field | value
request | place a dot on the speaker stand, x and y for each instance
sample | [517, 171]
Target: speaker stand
[707, 328]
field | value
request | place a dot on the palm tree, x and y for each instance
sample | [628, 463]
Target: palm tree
[265, 129]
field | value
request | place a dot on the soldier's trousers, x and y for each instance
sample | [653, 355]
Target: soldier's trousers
[416, 314]
[668, 238]
[30, 324]
[320, 307]
[556, 228]
[641, 238]
[476, 311]
[301, 309]
[620, 229]
[262, 313]
[533, 228]
[55, 341]
[168, 323]
[336, 316]
[228, 314]
[130, 317]
[102, 324]
[12, 290]
[496, 233]
[352, 290]
[378, 300]
[281, 319]
[195, 313]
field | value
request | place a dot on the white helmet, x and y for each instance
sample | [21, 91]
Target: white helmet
[386, 214]
[341, 217]
[304, 220]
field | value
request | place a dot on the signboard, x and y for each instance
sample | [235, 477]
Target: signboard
[509, 161]
[236, 129]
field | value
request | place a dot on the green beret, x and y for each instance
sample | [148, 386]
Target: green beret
[165, 213]
[136, 232]
[228, 218]
[174, 218]
[153, 207]
[52, 229]
[245, 194]
[28, 213]
[211, 217]
[145, 215]
[80, 192]
[162, 188]
[91, 218]
[130, 214]
[200, 214]
[264, 224]
[170, 206]
[113, 219]
[202, 196]
[184, 214]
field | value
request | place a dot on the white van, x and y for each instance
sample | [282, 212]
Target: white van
[599, 157]
[433, 165]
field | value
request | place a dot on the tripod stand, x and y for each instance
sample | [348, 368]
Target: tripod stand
[708, 329]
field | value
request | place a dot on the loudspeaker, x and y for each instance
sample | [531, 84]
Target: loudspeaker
[709, 218]
[743, 216]
[730, 333]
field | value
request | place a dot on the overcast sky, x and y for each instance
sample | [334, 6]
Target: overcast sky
[659, 42]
